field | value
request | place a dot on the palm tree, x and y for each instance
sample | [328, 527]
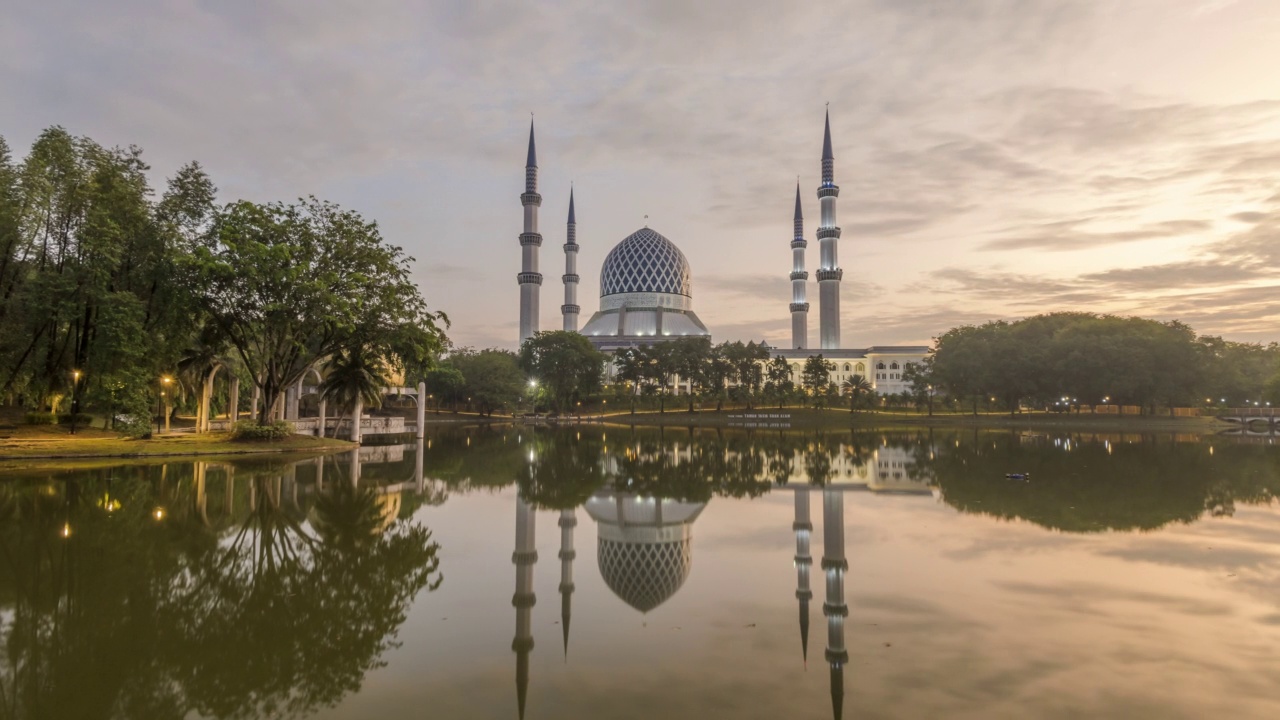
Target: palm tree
[354, 378]
[856, 386]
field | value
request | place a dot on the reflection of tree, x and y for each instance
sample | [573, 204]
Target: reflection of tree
[281, 622]
[563, 470]
[117, 602]
[1137, 485]
[1096, 485]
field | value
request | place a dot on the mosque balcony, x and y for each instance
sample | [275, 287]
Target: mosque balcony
[833, 274]
[800, 307]
[828, 232]
[828, 190]
[570, 309]
[569, 277]
[531, 239]
[799, 243]
[800, 275]
[571, 247]
[529, 278]
[530, 198]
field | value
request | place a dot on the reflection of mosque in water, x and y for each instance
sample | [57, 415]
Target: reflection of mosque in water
[645, 553]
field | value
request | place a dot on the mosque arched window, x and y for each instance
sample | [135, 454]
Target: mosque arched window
[846, 367]
[893, 366]
[879, 366]
[862, 368]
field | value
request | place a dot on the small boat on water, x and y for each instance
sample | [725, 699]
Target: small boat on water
[1017, 476]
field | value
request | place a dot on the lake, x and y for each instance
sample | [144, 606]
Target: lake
[606, 572]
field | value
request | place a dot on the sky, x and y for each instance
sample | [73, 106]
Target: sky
[996, 158]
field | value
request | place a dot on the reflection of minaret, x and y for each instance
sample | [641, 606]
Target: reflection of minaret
[804, 562]
[524, 557]
[568, 521]
[834, 565]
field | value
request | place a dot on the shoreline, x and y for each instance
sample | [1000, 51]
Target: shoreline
[808, 418]
[91, 446]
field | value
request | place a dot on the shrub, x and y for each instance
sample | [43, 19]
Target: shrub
[250, 430]
[40, 418]
[80, 418]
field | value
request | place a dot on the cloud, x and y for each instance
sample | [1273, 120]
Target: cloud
[1067, 235]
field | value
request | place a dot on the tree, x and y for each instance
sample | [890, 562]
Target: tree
[920, 382]
[747, 363]
[444, 381]
[778, 379]
[689, 358]
[289, 285]
[492, 379]
[353, 380]
[565, 363]
[856, 387]
[815, 377]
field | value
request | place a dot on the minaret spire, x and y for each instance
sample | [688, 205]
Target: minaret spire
[568, 521]
[834, 566]
[799, 278]
[524, 558]
[570, 307]
[529, 278]
[829, 273]
[804, 563]
[532, 161]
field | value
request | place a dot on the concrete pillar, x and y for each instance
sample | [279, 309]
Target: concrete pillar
[422, 410]
[257, 397]
[233, 405]
[323, 419]
[419, 480]
[357, 435]
[297, 400]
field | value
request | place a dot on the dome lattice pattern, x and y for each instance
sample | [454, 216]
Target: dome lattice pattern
[645, 262]
[644, 575]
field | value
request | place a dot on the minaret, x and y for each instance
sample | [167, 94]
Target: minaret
[524, 557]
[530, 279]
[804, 529]
[570, 307]
[834, 565]
[568, 521]
[829, 272]
[799, 276]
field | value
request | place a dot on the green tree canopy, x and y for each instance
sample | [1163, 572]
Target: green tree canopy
[565, 364]
[290, 285]
[492, 379]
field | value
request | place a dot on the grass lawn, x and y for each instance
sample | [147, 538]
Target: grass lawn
[56, 441]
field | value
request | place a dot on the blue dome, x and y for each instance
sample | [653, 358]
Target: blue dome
[645, 262]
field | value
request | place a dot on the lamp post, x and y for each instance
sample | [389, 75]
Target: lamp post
[162, 404]
[75, 399]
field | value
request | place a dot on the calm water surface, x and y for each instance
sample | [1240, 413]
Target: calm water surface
[611, 573]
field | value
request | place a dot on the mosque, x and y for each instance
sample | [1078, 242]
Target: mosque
[646, 289]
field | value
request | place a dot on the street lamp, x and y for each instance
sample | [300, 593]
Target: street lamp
[162, 405]
[75, 399]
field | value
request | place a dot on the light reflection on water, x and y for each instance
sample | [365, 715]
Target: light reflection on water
[1127, 576]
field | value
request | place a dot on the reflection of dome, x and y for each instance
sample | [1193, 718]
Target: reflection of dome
[644, 575]
[645, 551]
[645, 262]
